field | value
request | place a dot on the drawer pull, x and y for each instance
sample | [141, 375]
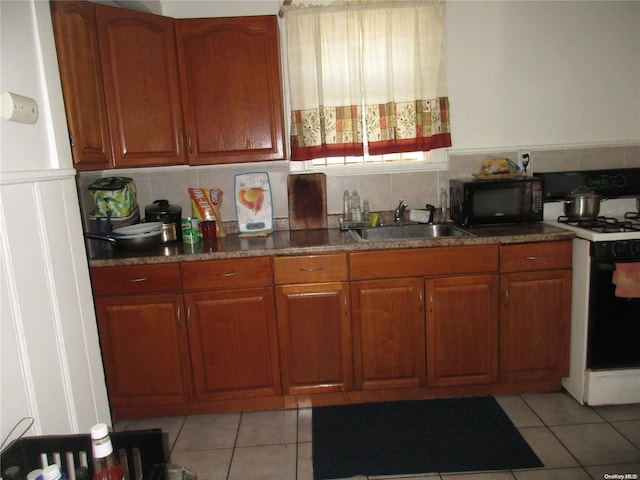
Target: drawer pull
[532, 258]
[311, 270]
[137, 280]
[230, 274]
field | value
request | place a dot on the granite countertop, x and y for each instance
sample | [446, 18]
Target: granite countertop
[308, 242]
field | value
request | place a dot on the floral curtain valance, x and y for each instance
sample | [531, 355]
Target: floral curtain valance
[383, 60]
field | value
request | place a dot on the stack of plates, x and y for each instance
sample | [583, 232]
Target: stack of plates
[145, 229]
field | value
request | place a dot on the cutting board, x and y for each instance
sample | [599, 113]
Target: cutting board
[307, 201]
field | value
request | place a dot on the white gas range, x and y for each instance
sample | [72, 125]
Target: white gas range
[605, 324]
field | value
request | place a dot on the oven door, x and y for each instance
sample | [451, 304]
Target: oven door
[613, 339]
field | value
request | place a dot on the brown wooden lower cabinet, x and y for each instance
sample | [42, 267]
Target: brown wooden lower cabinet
[144, 349]
[315, 338]
[462, 330]
[535, 311]
[389, 333]
[536, 317]
[264, 333]
[233, 340]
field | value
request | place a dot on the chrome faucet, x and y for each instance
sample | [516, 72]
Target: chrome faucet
[398, 215]
[432, 210]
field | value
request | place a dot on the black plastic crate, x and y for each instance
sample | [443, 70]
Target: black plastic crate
[141, 453]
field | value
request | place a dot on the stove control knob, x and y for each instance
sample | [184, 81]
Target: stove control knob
[619, 181]
[619, 249]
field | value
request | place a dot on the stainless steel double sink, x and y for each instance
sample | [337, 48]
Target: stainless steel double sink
[407, 231]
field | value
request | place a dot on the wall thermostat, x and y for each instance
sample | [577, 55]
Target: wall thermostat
[18, 108]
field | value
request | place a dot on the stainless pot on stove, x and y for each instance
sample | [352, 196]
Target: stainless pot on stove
[583, 205]
[169, 215]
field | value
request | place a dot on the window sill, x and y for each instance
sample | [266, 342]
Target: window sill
[439, 162]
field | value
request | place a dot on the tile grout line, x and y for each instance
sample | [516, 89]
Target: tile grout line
[184, 420]
[622, 434]
[297, 442]
[552, 432]
[235, 444]
[592, 409]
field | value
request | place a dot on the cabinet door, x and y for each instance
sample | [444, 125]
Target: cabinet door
[535, 322]
[144, 349]
[142, 89]
[462, 330]
[389, 333]
[233, 343]
[230, 76]
[74, 27]
[315, 338]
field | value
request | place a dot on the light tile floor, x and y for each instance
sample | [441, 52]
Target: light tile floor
[575, 442]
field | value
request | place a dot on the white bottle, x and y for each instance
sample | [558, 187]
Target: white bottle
[52, 472]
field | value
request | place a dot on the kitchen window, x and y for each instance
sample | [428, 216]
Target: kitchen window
[367, 86]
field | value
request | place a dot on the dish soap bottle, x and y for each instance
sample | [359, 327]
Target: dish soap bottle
[444, 201]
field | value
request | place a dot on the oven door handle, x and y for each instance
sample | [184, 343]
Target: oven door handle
[607, 266]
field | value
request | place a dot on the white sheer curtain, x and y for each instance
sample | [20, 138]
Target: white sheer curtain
[385, 56]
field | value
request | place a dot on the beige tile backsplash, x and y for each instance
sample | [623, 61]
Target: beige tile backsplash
[382, 190]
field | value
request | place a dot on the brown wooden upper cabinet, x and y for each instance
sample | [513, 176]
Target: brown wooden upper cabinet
[144, 90]
[141, 83]
[74, 26]
[230, 74]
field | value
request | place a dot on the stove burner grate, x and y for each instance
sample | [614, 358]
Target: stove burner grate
[632, 216]
[605, 224]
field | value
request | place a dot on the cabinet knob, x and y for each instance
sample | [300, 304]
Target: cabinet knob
[346, 305]
[229, 274]
[532, 258]
[137, 280]
[189, 144]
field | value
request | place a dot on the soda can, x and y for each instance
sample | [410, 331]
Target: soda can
[190, 230]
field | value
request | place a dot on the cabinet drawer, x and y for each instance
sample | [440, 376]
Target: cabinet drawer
[136, 279]
[230, 273]
[535, 256]
[310, 269]
[424, 262]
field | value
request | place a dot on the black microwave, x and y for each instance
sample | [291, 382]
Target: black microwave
[492, 202]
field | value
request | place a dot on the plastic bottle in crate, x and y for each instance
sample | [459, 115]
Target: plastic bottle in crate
[82, 473]
[52, 472]
[105, 462]
[12, 473]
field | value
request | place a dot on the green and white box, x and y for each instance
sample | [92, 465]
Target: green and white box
[113, 196]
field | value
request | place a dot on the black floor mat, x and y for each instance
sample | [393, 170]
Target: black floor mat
[442, 435]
